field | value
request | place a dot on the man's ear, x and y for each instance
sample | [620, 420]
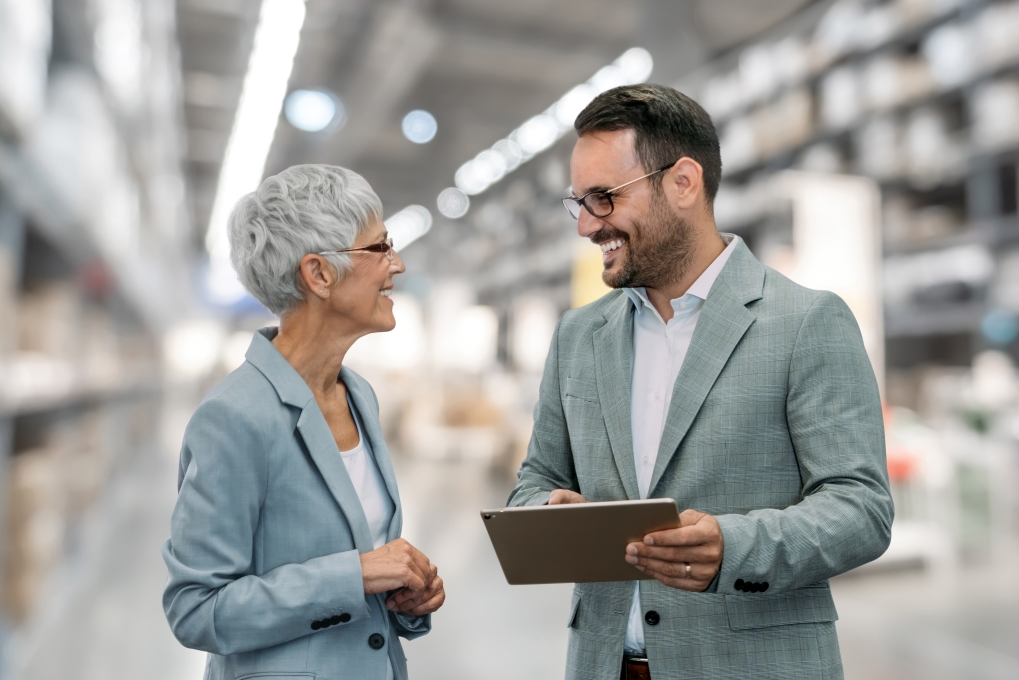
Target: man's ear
[684, 183]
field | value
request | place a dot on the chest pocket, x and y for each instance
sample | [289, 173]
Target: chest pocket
[582, 389]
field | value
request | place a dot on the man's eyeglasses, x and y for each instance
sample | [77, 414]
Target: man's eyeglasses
[599, 203]
[384, 247]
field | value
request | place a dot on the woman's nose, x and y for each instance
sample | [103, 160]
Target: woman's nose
[397, 266]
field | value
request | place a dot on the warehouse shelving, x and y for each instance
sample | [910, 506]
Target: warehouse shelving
[86, 291]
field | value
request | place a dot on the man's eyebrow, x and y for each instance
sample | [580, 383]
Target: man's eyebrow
[601, 188]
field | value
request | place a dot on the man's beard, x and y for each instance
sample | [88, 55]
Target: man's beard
[657, 252]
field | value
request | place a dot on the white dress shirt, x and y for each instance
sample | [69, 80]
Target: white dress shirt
[659, 349]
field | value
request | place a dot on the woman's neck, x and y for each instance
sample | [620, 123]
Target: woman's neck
[315, 347]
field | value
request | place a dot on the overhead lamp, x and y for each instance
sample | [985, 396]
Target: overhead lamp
[265, 85]
[312, 110]
[408, 225]
[542, 131]
[419, 126]
[453, 203]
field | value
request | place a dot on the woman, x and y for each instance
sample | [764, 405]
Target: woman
[285, 538]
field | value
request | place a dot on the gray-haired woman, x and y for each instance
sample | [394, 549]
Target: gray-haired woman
[285, 540]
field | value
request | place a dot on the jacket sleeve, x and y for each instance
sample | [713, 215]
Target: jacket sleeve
[410, 627]
[213, 599]
[549, 462]
[834, 417]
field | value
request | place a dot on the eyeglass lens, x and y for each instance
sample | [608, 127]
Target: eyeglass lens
[598, 204]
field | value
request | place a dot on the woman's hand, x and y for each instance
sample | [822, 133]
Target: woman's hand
[419, 603]
[393, 566]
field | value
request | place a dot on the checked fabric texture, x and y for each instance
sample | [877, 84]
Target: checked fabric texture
[774, 428]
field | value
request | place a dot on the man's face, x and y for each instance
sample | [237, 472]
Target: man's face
[644, 242]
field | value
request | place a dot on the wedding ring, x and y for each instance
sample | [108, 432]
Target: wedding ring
[688, 570]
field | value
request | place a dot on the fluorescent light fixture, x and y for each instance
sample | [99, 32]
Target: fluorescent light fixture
[453, 203]
[419, 126]
[408, 225]
[545, 129]
[312, 110]
[265, 85]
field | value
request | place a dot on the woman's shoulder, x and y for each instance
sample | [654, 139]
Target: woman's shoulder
[245, 394]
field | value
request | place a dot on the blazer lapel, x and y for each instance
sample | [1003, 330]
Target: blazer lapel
[722, 323]
[322, 447]
[314, 430]
[613, 361]
[368, 415]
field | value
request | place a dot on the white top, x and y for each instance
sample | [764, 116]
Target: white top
[659, 349]
[372, 492]
[370, 487]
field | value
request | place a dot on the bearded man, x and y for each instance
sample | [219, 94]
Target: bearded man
[717, 382]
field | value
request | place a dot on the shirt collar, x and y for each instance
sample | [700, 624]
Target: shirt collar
[701, 287]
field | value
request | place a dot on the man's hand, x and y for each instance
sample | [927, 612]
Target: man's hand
[419, 602]
[565, 497]
[686, 558]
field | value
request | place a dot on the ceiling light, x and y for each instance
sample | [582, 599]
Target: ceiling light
[265, 85]
[537, 134]
[312, 110]
[408, 225]
[542, 131]
[419, 126]
[453, 203]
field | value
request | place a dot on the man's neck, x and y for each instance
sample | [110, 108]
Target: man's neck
[708, 247]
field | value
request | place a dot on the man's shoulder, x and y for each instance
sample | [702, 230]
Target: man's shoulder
[782, 296]
[594, 313]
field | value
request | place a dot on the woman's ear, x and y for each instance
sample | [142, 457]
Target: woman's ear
[317, 275]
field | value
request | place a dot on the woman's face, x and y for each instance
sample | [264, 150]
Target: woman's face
[362, 296]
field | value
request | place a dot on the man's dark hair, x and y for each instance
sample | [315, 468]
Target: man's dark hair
[667, 126]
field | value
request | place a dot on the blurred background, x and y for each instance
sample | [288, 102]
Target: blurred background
[869, 147]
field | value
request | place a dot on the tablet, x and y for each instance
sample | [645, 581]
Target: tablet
[576, 543]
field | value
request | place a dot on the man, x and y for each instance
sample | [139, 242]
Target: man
[715, 381]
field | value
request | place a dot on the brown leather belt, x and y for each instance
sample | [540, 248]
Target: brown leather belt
[635, 668]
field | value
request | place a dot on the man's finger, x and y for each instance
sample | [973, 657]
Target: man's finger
[690, 517]
[705, 553]
[704, 530]
[676, 569]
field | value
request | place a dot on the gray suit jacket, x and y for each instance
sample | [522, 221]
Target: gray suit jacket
[775, 428]
[267, 531]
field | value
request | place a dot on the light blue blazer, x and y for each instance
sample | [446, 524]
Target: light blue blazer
[263, 555]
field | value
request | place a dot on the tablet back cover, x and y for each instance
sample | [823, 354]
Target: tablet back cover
[577, 543]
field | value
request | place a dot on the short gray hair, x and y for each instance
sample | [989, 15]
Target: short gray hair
[304, 209]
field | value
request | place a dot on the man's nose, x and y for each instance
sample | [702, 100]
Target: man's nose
[588, 224]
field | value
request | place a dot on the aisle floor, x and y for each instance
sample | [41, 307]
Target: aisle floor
[103, 618]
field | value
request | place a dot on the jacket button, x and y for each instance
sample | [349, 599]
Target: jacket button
[764, 586]
[343, 618]
[738, 585]
[376, 641]
[652, 618]
[334, 620]
[315, 625]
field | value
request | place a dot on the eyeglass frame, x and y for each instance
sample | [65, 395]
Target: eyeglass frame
[581, 201]
[382, 247]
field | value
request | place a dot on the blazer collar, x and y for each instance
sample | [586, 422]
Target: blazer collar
[317, 436]
[722, 323]
[288, 383]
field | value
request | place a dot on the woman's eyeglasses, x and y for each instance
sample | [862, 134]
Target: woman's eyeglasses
[599, 203]
[384, 247]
